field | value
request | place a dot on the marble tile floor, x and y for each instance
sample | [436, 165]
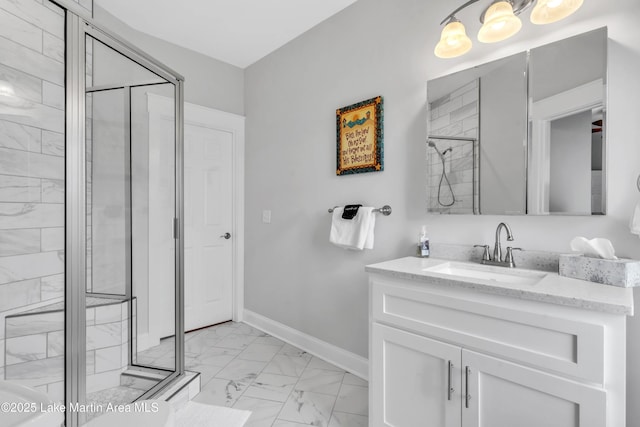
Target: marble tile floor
[283, 386]
[117, 395]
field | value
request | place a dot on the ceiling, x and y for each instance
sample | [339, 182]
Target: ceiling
[238, 32]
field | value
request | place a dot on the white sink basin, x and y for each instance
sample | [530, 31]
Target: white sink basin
[488, 273]
[25, 407]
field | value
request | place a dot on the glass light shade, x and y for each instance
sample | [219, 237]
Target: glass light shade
[453, 41]
[548, 11]
[500, 23]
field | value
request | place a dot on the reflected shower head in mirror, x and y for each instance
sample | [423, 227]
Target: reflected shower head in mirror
[435, 147]
[443, 177]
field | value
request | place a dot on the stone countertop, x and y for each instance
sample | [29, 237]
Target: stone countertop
[551, 288]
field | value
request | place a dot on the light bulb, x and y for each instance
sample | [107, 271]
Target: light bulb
[500, 23]
[548, 11]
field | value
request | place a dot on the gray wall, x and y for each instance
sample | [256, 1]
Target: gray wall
[208, 81]
[378, 47]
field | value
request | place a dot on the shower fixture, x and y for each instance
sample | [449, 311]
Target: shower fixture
[431, 142]
[435, 147]
[443, 177]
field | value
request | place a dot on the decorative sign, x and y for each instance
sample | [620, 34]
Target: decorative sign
[359, 131]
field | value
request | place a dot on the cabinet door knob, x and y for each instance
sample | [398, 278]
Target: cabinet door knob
[226, 236]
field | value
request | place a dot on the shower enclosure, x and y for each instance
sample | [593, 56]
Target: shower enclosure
[91, 260]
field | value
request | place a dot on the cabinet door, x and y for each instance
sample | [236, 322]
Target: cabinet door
[415, 381]
[502, 394]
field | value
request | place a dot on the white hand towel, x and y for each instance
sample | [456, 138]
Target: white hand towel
[356, 233]
[634, 224]
[368, 244]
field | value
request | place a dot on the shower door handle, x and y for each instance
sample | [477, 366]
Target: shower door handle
[226, 236]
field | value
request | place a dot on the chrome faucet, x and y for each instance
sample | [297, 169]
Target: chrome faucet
[497, 250]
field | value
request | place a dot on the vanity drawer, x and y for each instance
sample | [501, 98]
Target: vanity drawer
[514, 332]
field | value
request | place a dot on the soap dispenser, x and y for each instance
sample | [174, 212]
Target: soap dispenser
[423, 243]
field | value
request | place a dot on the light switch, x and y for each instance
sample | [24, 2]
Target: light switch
[266, 216]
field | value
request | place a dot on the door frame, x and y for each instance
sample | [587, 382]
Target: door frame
[211, 118]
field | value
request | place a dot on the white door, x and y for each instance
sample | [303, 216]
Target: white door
[503, 394]
[210, 225]
[415, 380]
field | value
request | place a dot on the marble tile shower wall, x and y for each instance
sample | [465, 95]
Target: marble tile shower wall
[455, 114]
[34, 350]
[107, 346]
[32, 151]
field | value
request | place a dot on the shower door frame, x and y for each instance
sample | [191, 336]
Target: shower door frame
[78, 25]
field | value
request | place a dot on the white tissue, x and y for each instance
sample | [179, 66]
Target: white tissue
[594, 248]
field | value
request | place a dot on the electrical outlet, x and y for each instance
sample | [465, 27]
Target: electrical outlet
[266, 217]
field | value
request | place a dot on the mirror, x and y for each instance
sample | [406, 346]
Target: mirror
[521, 135]
[567, 108]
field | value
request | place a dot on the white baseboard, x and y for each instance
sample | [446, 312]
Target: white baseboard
[346, 360]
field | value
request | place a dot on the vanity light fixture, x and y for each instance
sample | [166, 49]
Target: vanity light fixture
[499, 22]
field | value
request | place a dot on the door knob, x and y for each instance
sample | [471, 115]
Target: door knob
[227, 236]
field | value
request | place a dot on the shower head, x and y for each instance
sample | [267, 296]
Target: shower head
[433, 145]
[443, 177]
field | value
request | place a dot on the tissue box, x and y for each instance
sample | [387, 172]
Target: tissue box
[616, 272]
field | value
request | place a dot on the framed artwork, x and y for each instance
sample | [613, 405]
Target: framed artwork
[359, 129]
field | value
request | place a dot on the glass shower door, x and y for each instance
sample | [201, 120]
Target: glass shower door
[131, 246]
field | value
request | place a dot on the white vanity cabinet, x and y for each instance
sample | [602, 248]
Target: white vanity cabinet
[445, 353]
[501, 393]
[446, 385]
[415, 373]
